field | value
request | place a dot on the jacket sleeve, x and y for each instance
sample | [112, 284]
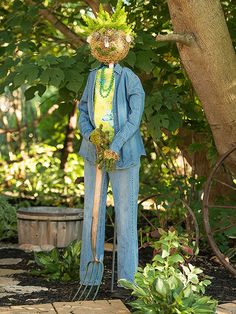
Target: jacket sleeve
[136, 97]
[85, 125]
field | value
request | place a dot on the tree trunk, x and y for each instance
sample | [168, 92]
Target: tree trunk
[68, 143]
[209, 59]
[17, 106]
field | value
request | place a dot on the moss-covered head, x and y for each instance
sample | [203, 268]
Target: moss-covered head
[109, 46]
[109, 36]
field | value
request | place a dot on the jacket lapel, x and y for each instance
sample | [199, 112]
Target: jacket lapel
[91, 96]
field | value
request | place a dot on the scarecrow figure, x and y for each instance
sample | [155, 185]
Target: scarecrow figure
[110, 109]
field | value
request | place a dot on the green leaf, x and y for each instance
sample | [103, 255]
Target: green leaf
[126, 284]
[2, 51]
[41, 89]
[176, 258]
[52, 76]
[193, 278]
[30, 92]
[155, 102]
[19, 79]
[175, 120]
[45, 77]
[66, 61]
[16, 5]
[158, 258]
[56, 76]
[75, 80]
[206, 282]
[143, 62]
[51, 60]
[154, 126]
[5, 36]
[173, 282]
[161, 287]
[26, 26]
[130, 58]
[27, 71]
[27, 45]
[164, 120]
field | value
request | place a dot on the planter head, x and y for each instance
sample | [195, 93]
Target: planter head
[109, 36]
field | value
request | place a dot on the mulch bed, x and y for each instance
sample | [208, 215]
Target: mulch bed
[57, 291]
[223, 287]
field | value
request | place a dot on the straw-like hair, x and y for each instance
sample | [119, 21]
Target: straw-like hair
[104, 21]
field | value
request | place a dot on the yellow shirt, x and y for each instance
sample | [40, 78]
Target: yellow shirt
[103, 105]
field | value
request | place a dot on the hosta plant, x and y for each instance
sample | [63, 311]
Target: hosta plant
[56, 265]
[169, 285]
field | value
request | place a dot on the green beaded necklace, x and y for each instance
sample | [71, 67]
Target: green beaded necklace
[104, 92]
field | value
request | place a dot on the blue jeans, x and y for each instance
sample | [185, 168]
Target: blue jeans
[125, 187]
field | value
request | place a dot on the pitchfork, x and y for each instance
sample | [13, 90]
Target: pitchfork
[95, 264]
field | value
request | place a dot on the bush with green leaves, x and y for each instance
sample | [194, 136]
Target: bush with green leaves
[8, 228]
[170, 285]
[39, 177]
[56, 265]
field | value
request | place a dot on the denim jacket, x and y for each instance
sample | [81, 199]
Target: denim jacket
[127, 107]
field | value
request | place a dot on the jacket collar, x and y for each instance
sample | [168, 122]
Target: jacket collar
[117, 68]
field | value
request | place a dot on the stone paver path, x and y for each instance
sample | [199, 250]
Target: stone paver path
[90, 307]
[227, 308]
[86, 307]
[9, 286]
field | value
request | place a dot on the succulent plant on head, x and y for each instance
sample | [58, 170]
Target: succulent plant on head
[109, 36]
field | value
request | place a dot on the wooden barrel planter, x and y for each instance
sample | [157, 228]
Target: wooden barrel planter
[42, 228]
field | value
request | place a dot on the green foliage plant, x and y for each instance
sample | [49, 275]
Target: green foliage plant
[105, 158]
[169, 285]
[8, 227]
[40, 179]
[56, 265]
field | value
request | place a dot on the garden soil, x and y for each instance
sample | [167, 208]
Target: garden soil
[223, 287]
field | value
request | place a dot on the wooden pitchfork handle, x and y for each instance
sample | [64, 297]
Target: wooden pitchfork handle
[95, 211]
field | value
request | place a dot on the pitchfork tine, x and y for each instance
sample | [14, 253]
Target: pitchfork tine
[90, 287]
[82, 283]
[100, 280]
[96, 267]
[80, 287]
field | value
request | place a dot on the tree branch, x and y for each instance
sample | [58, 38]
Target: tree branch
[184, 38]
[34, 124]
[71, 36]
[70, 134]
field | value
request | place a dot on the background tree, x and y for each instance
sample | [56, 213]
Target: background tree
[45, 58]
[209, 59]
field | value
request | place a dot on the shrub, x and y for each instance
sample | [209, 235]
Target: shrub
[170, 285]
[40, 179]
[8, 227]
